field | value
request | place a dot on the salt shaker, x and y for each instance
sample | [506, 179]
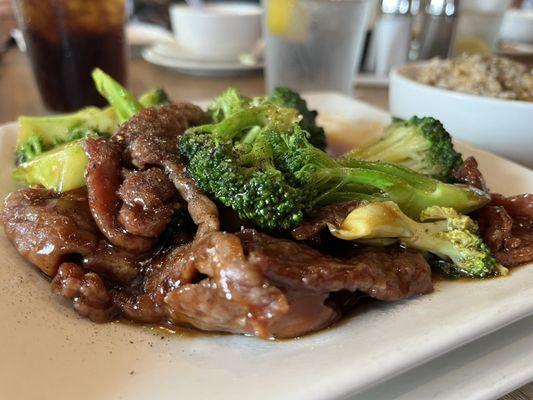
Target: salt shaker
[391, 36]
[440, 21]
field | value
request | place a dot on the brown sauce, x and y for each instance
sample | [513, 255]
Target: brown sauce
[344, 134]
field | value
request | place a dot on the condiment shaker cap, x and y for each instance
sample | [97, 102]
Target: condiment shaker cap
[442, 7]
[398, 7]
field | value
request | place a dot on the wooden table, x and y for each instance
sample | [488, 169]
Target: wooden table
[18, 95]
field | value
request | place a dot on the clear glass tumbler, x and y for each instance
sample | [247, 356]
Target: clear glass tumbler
[66, 39]
[314, 45]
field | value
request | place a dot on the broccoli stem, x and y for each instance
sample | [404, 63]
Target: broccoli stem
[125, 104]
[448, 234]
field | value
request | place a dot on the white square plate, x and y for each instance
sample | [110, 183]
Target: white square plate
[48, 352]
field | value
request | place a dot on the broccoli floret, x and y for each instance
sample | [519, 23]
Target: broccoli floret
[227, 103]
[61, 169]
[235, 165]
[443, 232]
[154, 97]
[333, 182]
[232, 101]
[30, 149]
[421, 144]
[40, 134]
[290, 177]
[285, 97]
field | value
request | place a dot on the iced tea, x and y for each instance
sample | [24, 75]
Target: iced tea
[66, 39]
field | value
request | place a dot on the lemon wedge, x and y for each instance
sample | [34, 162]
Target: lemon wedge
[471, 45]
[288, 19]
[279, 16]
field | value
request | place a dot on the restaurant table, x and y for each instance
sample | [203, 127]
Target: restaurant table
[18, 95]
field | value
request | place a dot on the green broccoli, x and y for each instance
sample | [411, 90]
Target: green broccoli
[227, 103]
[274, 176]
[285, 97]
[60, 169]
[421, 144]
[154, 97]
[124, 103]
[331, 181]
[232, 101]
[53, 156]
[40, 134]
[443, 232]
[52, 130]
[28, 150]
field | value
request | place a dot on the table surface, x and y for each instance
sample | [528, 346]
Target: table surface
[18, 95]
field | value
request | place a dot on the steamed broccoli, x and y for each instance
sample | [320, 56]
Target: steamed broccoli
[124, 103]
[227, 103]
[232, 101]
[243, 177]
[53, 155]
[331, 181]
[443, 232]
[285, 97]
[154, 97]
[421, 144]
[40, 134]
[60, 169]
[271, 175]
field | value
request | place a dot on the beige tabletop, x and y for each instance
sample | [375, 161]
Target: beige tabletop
[18, 95]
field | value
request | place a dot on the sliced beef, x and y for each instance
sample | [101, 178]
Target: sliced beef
[148, 202]
[210, 285]
[519, 207]
[103, 177]
[333, 214]
[147, 189]
[45, 227]
[507, 227]
[151, 136]
[469, 174]
[48, 228]
[115, 264]
[203, 211]
[385, 274]
[88, 292]
[235, 296]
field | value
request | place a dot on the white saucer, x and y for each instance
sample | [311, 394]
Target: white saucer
[171, 54]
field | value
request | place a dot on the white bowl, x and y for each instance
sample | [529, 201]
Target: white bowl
[504, 127]
[517, 26]
[218, 31]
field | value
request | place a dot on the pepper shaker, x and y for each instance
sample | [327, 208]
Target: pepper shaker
[440, 22]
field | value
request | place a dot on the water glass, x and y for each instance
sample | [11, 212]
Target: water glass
[314, 45]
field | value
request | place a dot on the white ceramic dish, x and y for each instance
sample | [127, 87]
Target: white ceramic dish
[517, 26]
[140, 35]
[488, 368]
[218, 31]
[64, 356]
[503, 127]
[172, 55]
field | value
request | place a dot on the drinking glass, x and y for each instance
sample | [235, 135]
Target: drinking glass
[314, 45]
[66, 39]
